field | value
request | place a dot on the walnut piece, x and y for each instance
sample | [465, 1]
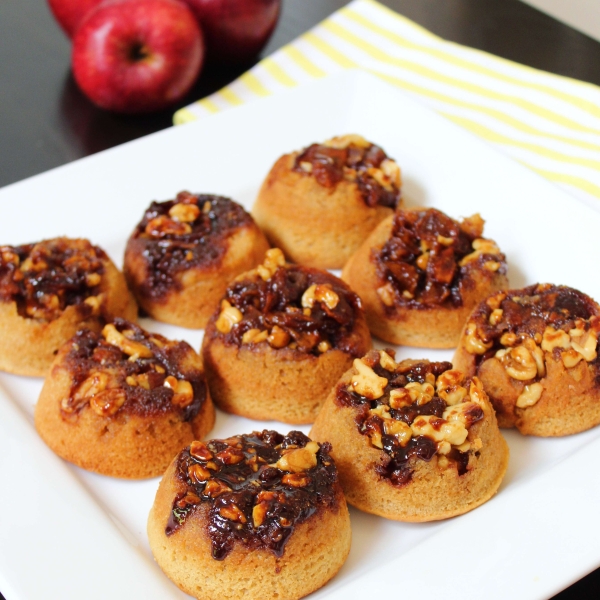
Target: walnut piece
[366, 382]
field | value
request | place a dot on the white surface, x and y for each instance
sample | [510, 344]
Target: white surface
[580, 14]
[70, 534]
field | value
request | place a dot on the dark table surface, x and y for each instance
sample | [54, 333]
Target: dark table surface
[46, 122]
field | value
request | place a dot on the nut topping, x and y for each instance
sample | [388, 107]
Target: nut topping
[184, 213]
[530, 395]
[262, 486]
[300, 459]
[473, 343]
[126, 345]
[320, 293]
[228, 317]
[356, 161]
[366, 382]
[107, 402]
[289, 306]
[274, 259]
[43, 279]
[431, 413]
[125, 368]
[429, 259]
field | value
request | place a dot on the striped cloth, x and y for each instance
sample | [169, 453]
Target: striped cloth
[549, 123]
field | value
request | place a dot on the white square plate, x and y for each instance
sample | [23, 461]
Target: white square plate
[70, 534]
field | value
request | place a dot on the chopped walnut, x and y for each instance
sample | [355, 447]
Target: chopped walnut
[228, 317]
[366, 382]
[299, 459]
[320, 293]
[162, 226]
[480, 246]
[473, 225]
[274, 259]
[518, 362]
[278, 338]
[133, 349]
[439, 430]
[530, 395]
[386, 361]
[449, 388]
[107, 402]
[386, 294]
[555, 338]
[183, 392]
[473, 343]
[343, 141]
[420, 392]
[184, 213]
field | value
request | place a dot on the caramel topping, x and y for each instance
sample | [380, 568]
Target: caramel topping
[262, 486]
[44, 278]
[352, 158]
[125, 368]
[190, 231]
[294, 307]
[428, 259]
[519, 326]
[421, 409]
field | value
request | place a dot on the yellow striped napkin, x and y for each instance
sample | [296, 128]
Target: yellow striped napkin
[547, 122]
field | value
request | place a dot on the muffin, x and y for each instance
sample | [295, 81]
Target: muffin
[319, 204]
[124, 401]
[535, 351]
[413, 441]
[421, 273]
[184, 252]
[50, 289]
[280, 340]
[258, 516]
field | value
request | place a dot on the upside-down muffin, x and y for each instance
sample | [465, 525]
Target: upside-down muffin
[281, 338]
[413, 441]
[319, 204]
[535, 351]
[48, 290]
[420, 274]
[259, 516]
[185, 251]
[124, 401]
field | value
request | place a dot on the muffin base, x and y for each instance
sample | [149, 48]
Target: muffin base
[258, 382]
[196, 294]
[313, 225]
[427, 327]
[28, 346]
[433, 493]
[125, 445]
[570, 400]
[314, 553]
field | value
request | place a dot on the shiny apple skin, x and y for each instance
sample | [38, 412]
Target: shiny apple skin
[137, 56]
[70, 13]
[235, 30]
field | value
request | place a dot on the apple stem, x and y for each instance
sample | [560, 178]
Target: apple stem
[139, 52]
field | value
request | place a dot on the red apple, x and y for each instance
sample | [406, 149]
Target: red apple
[69, 13]
[235, 30]
[137, 55]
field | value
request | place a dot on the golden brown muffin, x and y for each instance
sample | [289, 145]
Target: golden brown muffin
[319, 204]
[49, 290]
[281, 339]
[184, 252]
[123, 402]
[535, 351]
[420, 273]
[258, 516]
[413, 441]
